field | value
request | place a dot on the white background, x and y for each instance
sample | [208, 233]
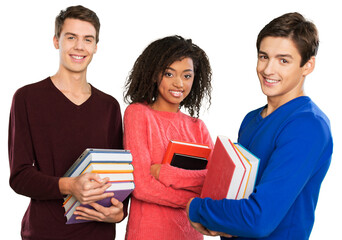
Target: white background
[226, 30]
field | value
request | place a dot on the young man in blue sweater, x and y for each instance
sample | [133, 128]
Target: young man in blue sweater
[290, 135]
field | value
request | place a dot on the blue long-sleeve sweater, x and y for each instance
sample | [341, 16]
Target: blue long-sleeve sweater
[294, 145]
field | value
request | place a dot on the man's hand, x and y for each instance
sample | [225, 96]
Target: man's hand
[112, 214]
[200, 228]
[87, 188]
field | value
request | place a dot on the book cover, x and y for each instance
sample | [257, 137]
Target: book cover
[98, 155]
[185, 148]
[188, 162]
[254, 161]
[121, 192]
[225, 171]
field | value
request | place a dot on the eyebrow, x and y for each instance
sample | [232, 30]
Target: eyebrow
[278, 55]
[186, 70]
[73, 34]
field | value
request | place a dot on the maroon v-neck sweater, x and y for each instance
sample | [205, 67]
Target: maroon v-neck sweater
[47, 132]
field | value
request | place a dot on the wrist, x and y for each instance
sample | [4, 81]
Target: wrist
[193, 208]
[64, 185]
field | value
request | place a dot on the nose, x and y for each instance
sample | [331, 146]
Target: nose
[269, 67]
[79, 45]
[178, 82]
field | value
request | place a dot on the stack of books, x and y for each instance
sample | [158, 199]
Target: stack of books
[232, 171]
[111, 163]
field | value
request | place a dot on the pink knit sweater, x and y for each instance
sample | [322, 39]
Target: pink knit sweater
[158, 206]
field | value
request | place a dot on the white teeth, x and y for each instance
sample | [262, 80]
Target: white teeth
[271, 81]
[77, 57]
[176, 93]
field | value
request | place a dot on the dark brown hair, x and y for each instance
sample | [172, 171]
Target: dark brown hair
[145, 76]
[302, 32]
[77, 12]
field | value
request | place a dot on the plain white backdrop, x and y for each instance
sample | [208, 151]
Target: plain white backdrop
[226, 30]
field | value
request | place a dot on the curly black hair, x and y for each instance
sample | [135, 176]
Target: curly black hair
[143, 81]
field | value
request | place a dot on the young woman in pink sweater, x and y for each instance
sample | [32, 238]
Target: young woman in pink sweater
[170, 73]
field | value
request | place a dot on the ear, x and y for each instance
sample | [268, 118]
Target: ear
[56, 42]
[309, 66]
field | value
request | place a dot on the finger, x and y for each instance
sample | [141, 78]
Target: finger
[213, 233]
[92, 190]
[93, 197]
[90, 214]
[97, 207]
[80, 215]
[199, 227]
[116, 202]
[95, 177]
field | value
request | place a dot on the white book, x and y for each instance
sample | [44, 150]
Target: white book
[254, 162]
[98, 155]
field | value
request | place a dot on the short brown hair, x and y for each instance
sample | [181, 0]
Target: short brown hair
[77, 12]
[302, 32]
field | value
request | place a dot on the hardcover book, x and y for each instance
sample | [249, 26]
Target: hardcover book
[194, 155]
[227, 175]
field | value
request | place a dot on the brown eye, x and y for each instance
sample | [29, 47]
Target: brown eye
[168, 74]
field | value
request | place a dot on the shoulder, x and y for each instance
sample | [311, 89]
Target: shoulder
[31, 89]
[254, 113]
[308, 123]
[137, 111]
[136, 108]
[309, 115]
[105, 98]
[251, 115]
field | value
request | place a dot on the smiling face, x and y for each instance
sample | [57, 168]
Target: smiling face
[175, 85]
[76, 44]
[279, 71]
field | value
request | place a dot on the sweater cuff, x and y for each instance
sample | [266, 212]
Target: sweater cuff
[194, 210]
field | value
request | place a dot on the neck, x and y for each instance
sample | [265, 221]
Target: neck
[70, 82]
[73, 85]
[165, 107]
[274, 103]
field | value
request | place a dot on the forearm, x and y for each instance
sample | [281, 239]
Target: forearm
[178, 178]
[34, 184]
[229, 216]
[150, 190]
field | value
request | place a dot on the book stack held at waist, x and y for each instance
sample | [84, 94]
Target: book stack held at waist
[112, 163]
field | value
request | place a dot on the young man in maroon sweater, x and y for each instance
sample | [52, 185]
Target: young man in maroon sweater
[51, 123]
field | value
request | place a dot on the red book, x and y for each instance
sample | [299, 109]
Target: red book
[186, 148]
[226, 171]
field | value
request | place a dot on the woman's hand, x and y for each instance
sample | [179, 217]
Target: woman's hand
[155, 170]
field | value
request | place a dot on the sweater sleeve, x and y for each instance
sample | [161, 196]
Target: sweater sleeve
[25, 177]
[302, 155]
[147, 188]
[187, 179]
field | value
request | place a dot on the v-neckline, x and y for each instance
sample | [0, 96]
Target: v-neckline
[68, 100]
